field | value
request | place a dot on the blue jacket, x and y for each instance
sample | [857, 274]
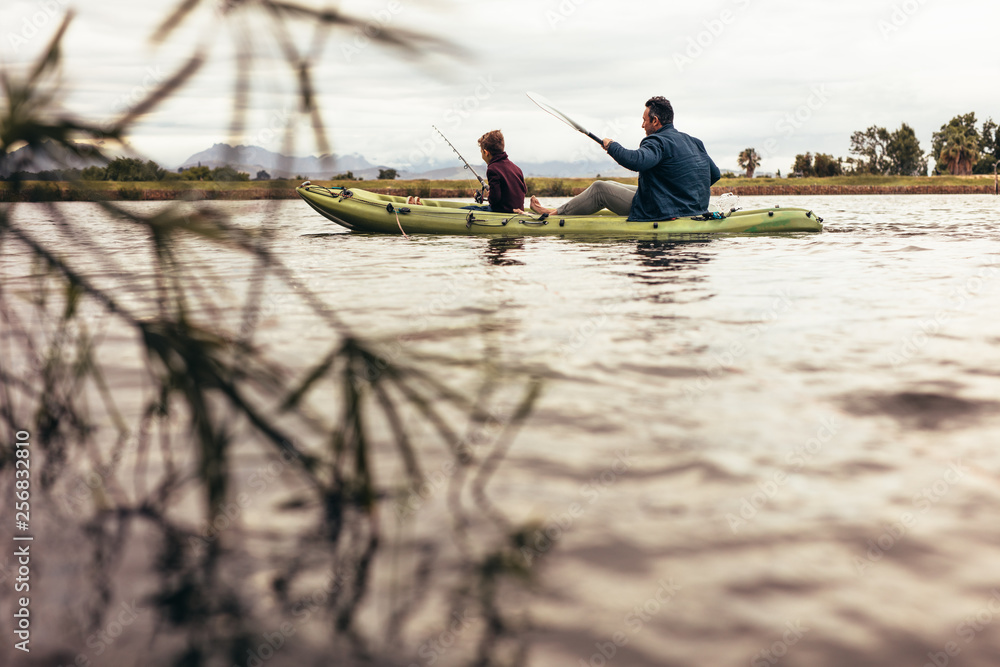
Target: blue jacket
[675, 174]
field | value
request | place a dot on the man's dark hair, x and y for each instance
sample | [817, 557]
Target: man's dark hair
[659, 108]
[492, 142]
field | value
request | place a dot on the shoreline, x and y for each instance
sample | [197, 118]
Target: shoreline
[53, 191]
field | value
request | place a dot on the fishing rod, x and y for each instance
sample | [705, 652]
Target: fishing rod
[479, 195]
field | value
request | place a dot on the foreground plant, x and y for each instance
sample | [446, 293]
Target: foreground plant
[148, 481]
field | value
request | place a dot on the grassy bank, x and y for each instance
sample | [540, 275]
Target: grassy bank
[543, 187]
[146, 190]
[857, 185]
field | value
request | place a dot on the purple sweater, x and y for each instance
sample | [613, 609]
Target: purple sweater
[506, 183]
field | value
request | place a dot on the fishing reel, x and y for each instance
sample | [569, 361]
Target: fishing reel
[479, 195]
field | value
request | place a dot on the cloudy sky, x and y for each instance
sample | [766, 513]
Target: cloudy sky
[782, 76]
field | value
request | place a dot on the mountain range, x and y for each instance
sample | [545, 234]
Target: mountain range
[51, 158]
[254, 159]
[251, 159]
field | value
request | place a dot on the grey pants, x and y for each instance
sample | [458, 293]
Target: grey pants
[612, 195]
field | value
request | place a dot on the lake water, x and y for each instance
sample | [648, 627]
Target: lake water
[749, 450]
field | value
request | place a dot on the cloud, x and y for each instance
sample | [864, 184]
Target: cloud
[734, 69]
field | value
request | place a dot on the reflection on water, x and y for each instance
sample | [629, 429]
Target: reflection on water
[497, 251]
[672, 261]
[749, 450]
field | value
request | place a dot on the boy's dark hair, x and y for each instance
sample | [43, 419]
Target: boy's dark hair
[660, 108]
[492, 142]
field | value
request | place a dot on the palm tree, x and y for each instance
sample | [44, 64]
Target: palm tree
[960, 152]
[749, 160]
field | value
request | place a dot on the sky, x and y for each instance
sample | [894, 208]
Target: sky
[781, 76]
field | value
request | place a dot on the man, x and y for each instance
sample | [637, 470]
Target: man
[675, 174]
[504, 178]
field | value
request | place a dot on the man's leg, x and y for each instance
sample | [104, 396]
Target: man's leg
[612, 195]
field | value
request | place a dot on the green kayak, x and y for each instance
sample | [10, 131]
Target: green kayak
[363, 211]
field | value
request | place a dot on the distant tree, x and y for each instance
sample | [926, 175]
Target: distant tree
[991, 137]
[955, 146]
[94, 174]
[871, 146]
[153, 169]
[263, 176]
[965, 122]
[826, 166]
[132, 169]
[387, 174]
[778, 174]
[989, 146]
[346, 176]
[198, 173]
[749, 160]
[228, 173]
[960, 153]
[803, 165]
[905, 156]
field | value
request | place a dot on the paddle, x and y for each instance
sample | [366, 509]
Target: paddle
[546, 106]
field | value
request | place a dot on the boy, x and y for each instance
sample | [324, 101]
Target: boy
[503, 178]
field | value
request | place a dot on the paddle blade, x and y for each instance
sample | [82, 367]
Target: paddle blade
[546, 106]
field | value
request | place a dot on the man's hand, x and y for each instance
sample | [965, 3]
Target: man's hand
[606, 142]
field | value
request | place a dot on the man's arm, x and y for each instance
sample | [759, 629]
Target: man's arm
[647, 156]
[716, 174]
